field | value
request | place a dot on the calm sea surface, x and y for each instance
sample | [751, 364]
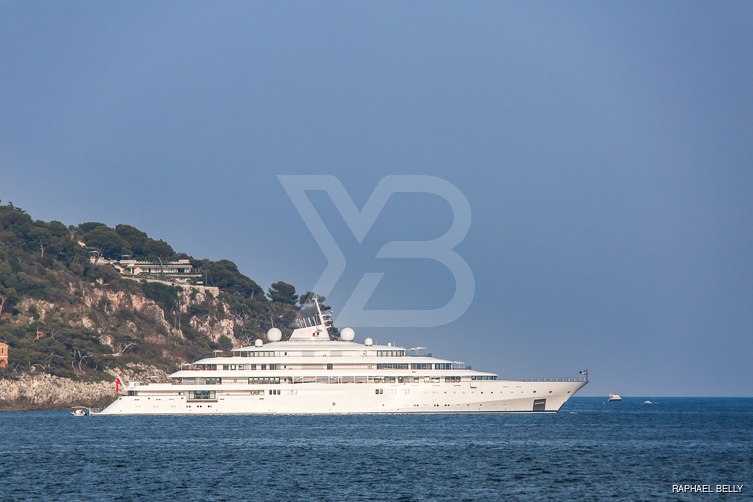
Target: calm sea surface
[591, 450]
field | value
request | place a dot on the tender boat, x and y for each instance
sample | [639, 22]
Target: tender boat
[310, 373]
[614, 397]
[80, 411]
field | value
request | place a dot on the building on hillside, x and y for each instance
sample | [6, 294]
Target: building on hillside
[3, 355]
[177, 271]
[138, 267]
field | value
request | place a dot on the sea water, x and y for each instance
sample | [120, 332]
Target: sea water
[591, 450]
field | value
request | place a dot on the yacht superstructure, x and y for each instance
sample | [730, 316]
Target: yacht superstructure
[312, 374]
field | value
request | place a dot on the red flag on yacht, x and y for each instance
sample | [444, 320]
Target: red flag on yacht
[117, 384]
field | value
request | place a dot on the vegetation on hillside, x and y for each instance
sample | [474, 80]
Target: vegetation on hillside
[59, 314]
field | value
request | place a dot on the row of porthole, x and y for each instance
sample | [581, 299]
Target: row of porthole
[492, 392]
[418, 405]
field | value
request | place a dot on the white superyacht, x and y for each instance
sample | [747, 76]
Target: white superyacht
[312, 374]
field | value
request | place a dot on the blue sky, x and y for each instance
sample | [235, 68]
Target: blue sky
[604, 148]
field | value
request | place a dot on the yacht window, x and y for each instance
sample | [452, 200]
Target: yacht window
[201, 394]
[420, 366]
[392, 366]
[263, 380]
[329, 366]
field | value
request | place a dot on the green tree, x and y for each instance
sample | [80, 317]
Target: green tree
[87, 227]
[40, 237]
[225, 275]
[137, 240]
[307, 299]
[224, 343]
[282, 292]
[8, 296]
[107, 242]
[15, 220]
[63, 244]
[165, 296]
[158, 249]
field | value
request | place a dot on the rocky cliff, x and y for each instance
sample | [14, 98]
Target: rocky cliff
[73, 321]
[36, 390]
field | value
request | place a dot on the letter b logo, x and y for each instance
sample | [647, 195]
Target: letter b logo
[360, 222]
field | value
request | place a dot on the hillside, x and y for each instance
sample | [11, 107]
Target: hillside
[72, 321]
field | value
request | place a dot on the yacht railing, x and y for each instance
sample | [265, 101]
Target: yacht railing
[572, 379]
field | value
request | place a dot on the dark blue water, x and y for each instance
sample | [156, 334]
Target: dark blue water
[591, 450]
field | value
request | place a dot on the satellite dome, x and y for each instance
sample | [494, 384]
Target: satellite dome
[274, 335]
[347, 334]
[258, 342]
[368, 342]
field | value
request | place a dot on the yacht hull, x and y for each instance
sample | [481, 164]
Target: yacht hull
[498, 396]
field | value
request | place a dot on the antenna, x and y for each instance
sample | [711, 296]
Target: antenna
[585, 373]
[319, 311]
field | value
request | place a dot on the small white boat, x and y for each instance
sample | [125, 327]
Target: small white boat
[614, 397]
[647, 402]
[80, 411]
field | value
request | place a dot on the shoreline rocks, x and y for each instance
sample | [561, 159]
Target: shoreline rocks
[43, 391]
